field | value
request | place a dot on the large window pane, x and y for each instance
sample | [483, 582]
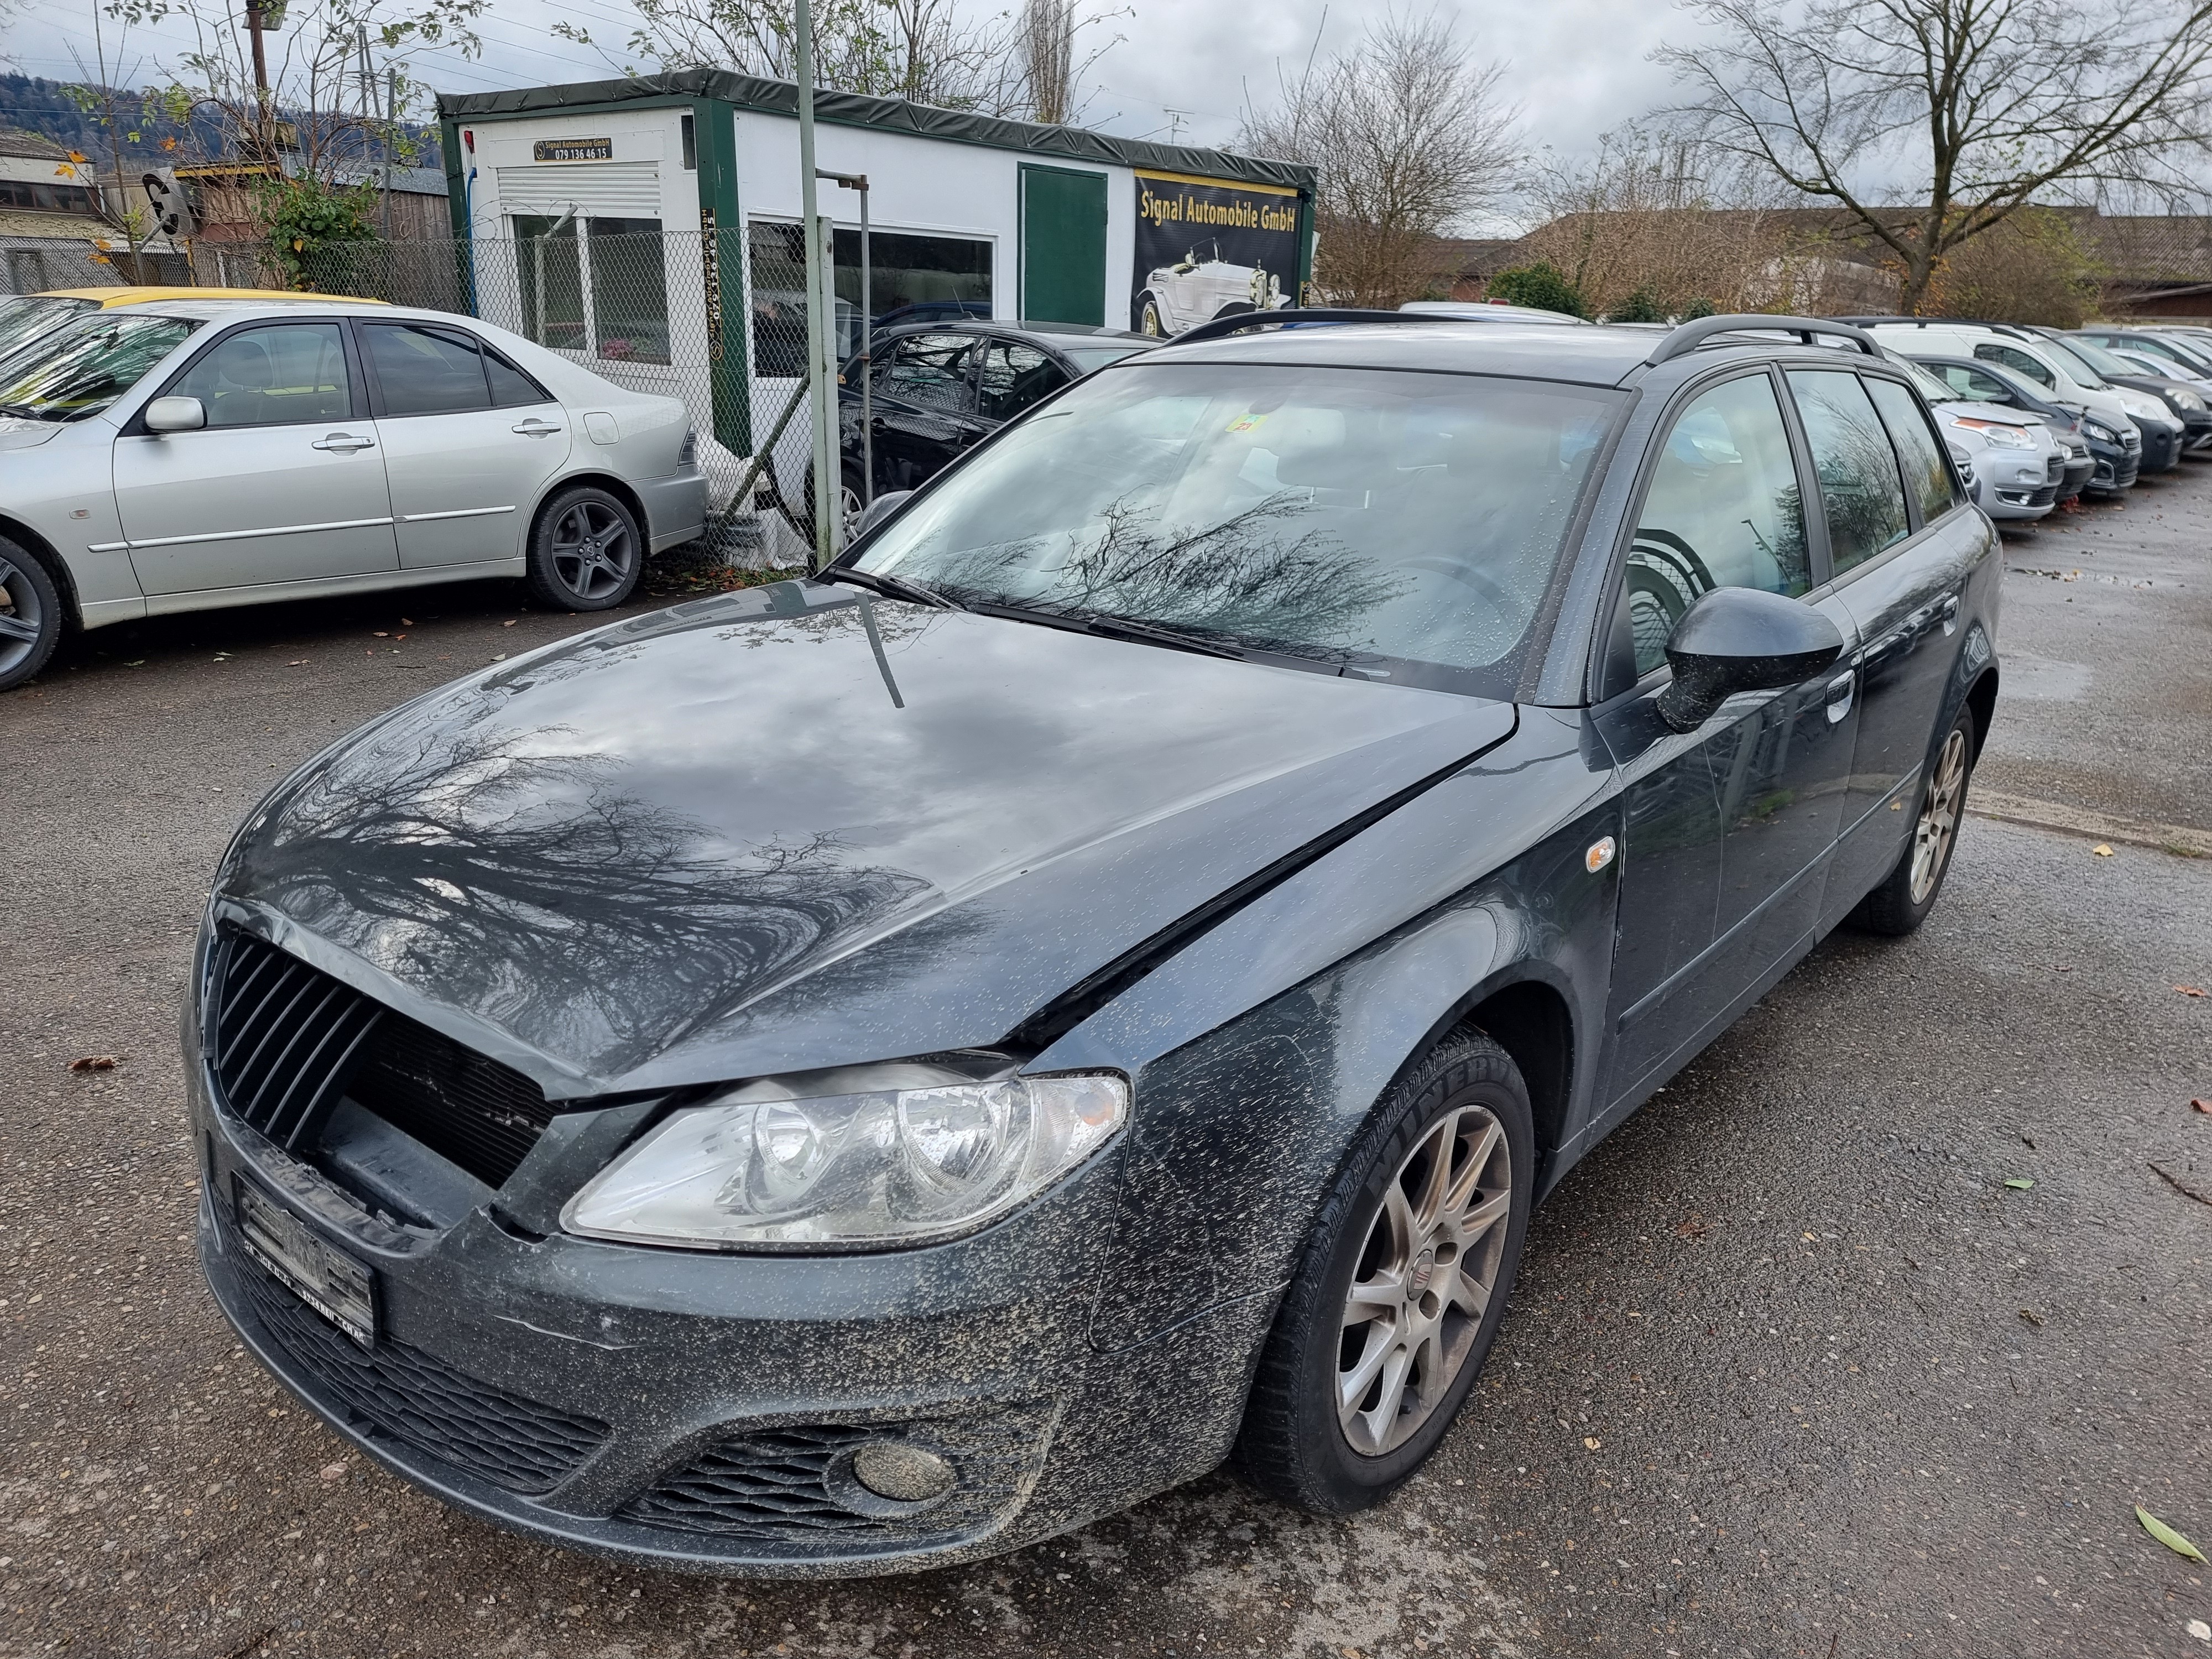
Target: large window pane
[777, 255]
[552, 278]
[629, 290]
[1404, 525]
[1860, 489]
[423, 371]
[273, 376]
[1924, 469]
[1723, 511]
[915, 279]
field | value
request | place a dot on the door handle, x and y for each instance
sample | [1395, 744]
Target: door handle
[1951, 614]
[344, 443]
[535, 427]
[1839, 696]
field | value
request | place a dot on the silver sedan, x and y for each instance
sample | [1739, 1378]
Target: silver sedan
[190, 454]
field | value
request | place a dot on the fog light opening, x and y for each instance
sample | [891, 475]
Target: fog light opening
[902, 1473]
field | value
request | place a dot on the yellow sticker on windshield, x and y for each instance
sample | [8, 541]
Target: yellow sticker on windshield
[1246, 421]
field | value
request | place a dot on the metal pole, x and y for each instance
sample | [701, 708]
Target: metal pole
[819, 321]
[391, 131]
[263, 131]
[860, 181]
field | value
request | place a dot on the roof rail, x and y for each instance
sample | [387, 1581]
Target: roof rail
[2022, 329]
[1689, 335]
[1221, 327]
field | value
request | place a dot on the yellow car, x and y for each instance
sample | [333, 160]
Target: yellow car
[27, 317]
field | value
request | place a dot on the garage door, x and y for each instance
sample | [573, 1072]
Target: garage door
[1063, 245]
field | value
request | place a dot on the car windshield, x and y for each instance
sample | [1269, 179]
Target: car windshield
[74, 374]
[2077, 365]
[25, 316]
[2192, 357]
[1407, 524]
[1935, 390]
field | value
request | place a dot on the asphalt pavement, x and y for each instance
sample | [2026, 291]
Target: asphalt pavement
[1796, 1366]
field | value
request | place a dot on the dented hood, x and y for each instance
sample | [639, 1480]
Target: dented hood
[752, 833]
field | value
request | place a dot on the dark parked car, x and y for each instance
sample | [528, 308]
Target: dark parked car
[858, 1074]
[937, 391]
[2181, 400]
[2112, 461]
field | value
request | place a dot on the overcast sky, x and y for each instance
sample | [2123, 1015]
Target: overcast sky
[1182, 67]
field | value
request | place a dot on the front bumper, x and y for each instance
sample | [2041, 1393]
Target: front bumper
[701, 1411]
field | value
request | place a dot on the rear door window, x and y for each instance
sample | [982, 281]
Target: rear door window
[426, 371]
[2020, 362]
[1861, 493]
[1917, 446]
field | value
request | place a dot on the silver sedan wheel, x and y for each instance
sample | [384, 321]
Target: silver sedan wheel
[1939, 816]
[1425, 1279]
[593, 551]
[22, 618]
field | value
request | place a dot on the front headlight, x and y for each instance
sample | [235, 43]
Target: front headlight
[849, 1172]
[1998, 435]
[2099, 429]
[2183, 398]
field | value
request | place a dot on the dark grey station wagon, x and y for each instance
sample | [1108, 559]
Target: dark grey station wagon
[875, 1070]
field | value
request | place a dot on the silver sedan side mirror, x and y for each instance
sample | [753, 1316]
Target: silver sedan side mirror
[175, 415]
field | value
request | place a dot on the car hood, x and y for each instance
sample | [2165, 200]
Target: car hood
[789, 828]
[16, 433]
[1998, 412]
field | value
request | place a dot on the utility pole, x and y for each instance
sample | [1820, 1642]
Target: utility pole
[264, 133]
[821, 298]
[391, 132]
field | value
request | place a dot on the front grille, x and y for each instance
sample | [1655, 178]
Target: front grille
[284, 1037]
[2056, 469]
[795, 1484]
[419, 1400]
[286, 1040]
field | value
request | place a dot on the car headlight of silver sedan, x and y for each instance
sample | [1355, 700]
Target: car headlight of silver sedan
[877, 1170]
[1999, 435]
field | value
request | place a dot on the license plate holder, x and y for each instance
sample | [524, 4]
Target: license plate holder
[327, 1279]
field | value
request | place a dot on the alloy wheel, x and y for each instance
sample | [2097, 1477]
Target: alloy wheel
[1939, 816]
[593, 551]
[1425, 1278]
[22, 618]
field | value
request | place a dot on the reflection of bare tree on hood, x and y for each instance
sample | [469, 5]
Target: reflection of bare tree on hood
[533, 890]
[1242, 576]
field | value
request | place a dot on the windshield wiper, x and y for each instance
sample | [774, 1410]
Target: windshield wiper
[1127, 627]
[22, 412]
[896, 587]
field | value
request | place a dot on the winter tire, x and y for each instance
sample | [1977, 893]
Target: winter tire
[587, 551]
[1909, 892]
[30, 614]
[1394, 1306]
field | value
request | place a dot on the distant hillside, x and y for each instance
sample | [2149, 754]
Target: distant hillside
[41, 106]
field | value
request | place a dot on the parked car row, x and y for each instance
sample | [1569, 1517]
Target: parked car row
[2119, 403]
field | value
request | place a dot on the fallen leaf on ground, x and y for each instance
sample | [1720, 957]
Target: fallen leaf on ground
[509, 623]
[333, 1471]
[94, 1063]
[2102, 850]
[2031, 1316]
[297, 662]
[2190, 990]
[407, 621]
[2166, 1536]
[382, 634]
[1591, 1442]
[1693, 1226]
[2019, 1183]
[501, 657]
[2204, 1106]
[2199, 1629]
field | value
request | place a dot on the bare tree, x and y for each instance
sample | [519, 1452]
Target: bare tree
[1969, 109]
[1410, 140]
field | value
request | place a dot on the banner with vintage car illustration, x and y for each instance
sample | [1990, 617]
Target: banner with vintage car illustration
[1205, 247]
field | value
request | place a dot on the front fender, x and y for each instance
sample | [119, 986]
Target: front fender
[1480, 884]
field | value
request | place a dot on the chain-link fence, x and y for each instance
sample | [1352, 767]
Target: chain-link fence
[698, 316]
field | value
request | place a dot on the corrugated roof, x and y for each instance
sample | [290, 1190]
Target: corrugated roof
[13, 140]
[852, 109]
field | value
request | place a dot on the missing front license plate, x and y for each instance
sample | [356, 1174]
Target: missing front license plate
[329, 1281]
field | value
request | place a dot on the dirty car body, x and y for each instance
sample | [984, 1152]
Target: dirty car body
[775, 852]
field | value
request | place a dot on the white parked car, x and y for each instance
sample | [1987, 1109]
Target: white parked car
[1201, 286]
[194, 453]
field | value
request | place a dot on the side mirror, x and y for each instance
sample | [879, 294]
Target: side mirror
[1739, 639]
[175, 415]
[879, 509]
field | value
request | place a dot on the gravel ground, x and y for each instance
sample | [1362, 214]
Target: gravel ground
[1791, 1370]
